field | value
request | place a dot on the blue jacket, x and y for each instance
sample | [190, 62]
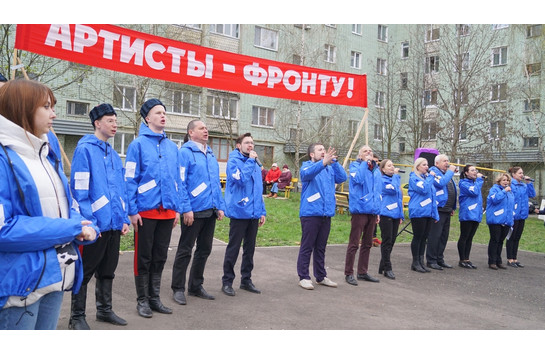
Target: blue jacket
[392, 197]
[152, 173]
[440, 182]
[500, 206]
[422, 194]
[318, 193]
[522, 192]
[244, 188]
[200, 178]
[365, 188]
[28, 259]
[471, 201]
[97, 184]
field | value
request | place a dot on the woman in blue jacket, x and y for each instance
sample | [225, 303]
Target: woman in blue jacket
[499, 217]
[38, 229]
[391, 214]
[471, 211]
[422, 210]
[523, 189]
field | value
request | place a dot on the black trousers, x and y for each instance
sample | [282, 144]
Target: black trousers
[498, 233]
[438, 238]
[241, 231]
[467, 232]
[101, 257]
[421, 230]
[151, 246]
[388, 232]
[512, 244]
[201, 232]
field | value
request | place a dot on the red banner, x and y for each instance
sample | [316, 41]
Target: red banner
[123, 50]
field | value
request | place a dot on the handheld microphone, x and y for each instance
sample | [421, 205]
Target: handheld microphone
[531, 180]
[401, 171]
[258, 162]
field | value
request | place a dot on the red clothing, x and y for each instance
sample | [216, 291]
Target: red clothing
[273, 175]
[284, 179]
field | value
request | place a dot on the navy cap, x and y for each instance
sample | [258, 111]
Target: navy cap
[148, 105]
[101, 110]
[3, 78]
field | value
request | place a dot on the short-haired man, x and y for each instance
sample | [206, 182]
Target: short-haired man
[98, 187]
[445, 193]
[200, 174]
[318, 176]
[246, 209]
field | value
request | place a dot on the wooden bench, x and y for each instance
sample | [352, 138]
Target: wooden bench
[341, 201]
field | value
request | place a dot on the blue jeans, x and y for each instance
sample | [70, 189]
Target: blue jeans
[41, 315]
[274, 188]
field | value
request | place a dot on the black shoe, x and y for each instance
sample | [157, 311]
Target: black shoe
[512, 264]
[434, 266]
[389, 274]
[367, 277]
[444, 264]
[500, 266]
[493, 266]
[156, 305]
[143, 308]
[519, 264]
[351, 280]
[471, 264]
[464, 264]
[249, 286]
[78, 323]
[228, 290]
[416, 266]
[111, 317]
[179, 297]
[201, 293]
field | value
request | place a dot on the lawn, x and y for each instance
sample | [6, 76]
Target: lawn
[283, 228]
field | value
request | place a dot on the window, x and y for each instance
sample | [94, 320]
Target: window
[378, 132]
[499, 56]
[430, 97]
[402, 112]
[222, 106]
[381, 66]
[462, 30]
[177, 138]
[194, 26]
[462, 134]
[293, 135]
[355, 60]
[497, 129]
[382, 33]
[404, 80]
[226, 29]
[405, 50]
[432, 33]
[121, 142]
[77, 108]
[533, 69]
[499, 92]
[402, 147]
[356, 29]
[533, 31]
[353, 128]
[531, 105]
[497, 27]
[462, 61]
[379, 99]
[429, 131]
[220, 147]
[125, 98]
[266, 153]
[262, 116]
[182, 102]
[531, 142]
[266, 38]
[330, 53]
[432, 64]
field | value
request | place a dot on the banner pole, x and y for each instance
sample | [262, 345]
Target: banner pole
[360, 126]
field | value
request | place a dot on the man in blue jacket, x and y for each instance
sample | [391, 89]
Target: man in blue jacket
[97, 184]
[199, 171]
[318, 176]
[364, 203]
[445, 193]
[246, 209]
[153, 179]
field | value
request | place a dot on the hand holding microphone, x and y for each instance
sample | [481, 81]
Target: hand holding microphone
[253, 154]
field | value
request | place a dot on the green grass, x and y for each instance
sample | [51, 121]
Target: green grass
[283, 228]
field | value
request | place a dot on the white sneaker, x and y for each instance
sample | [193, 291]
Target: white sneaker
[328, 282]
[306, 284]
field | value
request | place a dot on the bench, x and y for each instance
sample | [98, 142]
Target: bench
[223, 179]
[341, 201]
[291, 186]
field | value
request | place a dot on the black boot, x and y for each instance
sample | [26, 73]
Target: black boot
[103, 293]
[154, 290]
[142, 296]
[77, 310]
[423, 264]
[416, 266]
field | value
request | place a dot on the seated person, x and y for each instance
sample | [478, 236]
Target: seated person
[283, 180]
[271, 178]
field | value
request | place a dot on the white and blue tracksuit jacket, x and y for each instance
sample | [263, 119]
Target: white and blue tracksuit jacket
[471, 200]
[365, 188]
[500, 206]
[422, 193]
[392, 197]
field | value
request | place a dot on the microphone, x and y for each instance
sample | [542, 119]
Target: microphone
[528, 179]
[401, 171]
[258, 162]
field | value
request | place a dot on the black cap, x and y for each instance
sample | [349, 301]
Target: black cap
[3, 78]
[148, 105]
[101, 110]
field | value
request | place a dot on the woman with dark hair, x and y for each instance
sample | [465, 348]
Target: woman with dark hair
[499, 217]
[523, 189]
[39, 258]
[391, 214]
[471, 211]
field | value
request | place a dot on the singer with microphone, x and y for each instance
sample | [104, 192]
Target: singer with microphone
[523, 189]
